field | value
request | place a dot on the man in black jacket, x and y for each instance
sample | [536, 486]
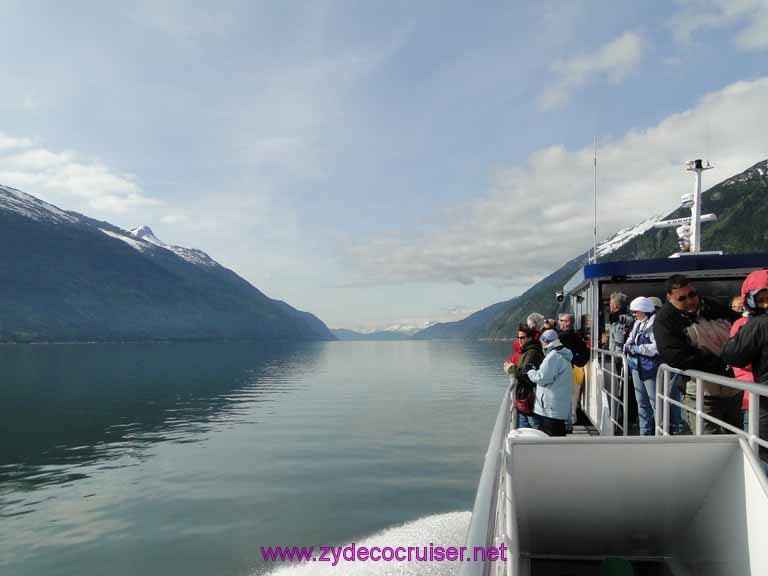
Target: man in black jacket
[572, 340]
[673, 329]
[578, 347]
[750, 346]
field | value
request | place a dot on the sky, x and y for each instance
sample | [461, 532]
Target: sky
[379, 163]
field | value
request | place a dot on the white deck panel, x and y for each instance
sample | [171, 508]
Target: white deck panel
[696, 501]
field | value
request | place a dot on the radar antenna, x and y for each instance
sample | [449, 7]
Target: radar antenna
[689, 229]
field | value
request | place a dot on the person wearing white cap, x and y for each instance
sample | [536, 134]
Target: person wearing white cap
[554, 381]
[643, 360]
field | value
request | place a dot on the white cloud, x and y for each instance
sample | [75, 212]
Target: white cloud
[611, 62]
[174, 218]
[9, 143]
[538, 215]
[67, 179]
[749, 19]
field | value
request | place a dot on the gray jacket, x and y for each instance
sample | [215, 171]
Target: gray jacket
[554, 383]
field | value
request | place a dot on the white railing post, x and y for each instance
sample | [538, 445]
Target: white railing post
[699, 406]
[513, 424]
[753, 422]
[614, 401]
[665, 405]
[625, 384]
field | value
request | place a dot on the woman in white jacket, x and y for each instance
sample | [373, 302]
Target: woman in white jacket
[643, 360]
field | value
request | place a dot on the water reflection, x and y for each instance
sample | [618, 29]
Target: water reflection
[66, 408]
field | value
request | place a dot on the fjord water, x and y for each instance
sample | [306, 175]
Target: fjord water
[186, 458]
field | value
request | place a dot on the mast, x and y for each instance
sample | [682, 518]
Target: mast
[594, 231]
[689, 229]
[696, 166]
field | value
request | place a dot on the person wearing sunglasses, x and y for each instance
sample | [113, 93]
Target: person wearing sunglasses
[531, 357]
[690, 331]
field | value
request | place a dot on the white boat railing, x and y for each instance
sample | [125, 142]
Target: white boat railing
[483, 527]
[664, 401]
[608, 363]
[494, 523]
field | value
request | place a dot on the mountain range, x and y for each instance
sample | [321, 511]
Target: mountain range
[67, 277]
[741, 205]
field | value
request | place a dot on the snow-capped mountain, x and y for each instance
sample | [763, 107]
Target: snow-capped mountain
[192, 255]
[66, 276]
[33, 208]
[757, 172]
[625, 235]
[28, 206]
[400, 328]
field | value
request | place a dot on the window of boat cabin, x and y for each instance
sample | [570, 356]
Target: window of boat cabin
[581, 308]
[722, 289]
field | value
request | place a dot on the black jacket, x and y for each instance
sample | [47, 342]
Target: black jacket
[750, 346]
[531, 357]
[576, 345]
[675, 349]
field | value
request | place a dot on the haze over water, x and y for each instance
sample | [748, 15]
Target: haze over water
[186, 458]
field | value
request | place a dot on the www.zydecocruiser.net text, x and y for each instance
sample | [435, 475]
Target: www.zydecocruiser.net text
[355, 553]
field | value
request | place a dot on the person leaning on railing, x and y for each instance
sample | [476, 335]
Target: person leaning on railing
[750, 344]
[575, 343]
[530, 358]
[690, 332]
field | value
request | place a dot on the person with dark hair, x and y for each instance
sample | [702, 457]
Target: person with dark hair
[554, 381]
[530, 358]
[578, 348]
[747, 348]
[690, 332]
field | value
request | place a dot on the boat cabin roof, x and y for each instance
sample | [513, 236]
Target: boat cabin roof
[714, 266]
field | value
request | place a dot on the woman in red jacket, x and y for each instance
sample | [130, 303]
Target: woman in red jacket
[754, 283]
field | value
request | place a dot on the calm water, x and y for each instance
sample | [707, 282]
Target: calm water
[186, 458]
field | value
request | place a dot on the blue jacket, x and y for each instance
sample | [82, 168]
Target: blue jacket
[554, 383]
[640, 348]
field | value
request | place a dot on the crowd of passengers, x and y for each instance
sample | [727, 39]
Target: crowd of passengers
[687, 332]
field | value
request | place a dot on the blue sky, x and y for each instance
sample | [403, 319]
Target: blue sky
[379, 163]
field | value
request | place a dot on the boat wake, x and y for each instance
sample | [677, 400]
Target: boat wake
[441, 530]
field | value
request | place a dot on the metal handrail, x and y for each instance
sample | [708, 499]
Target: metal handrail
[481, 525]
[755, 391]
[623, 378]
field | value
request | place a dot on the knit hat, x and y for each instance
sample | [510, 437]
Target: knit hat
[642, 304]
[656, 301]
[547, 338]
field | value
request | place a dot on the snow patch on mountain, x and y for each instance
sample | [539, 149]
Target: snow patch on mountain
[758, 171]
[145, 233]
[401, 328]
[191, 255]
[132, 242]
[625, 235]
[30, 207]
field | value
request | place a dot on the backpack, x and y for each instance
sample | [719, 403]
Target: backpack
[525, 394]
[525, 391]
